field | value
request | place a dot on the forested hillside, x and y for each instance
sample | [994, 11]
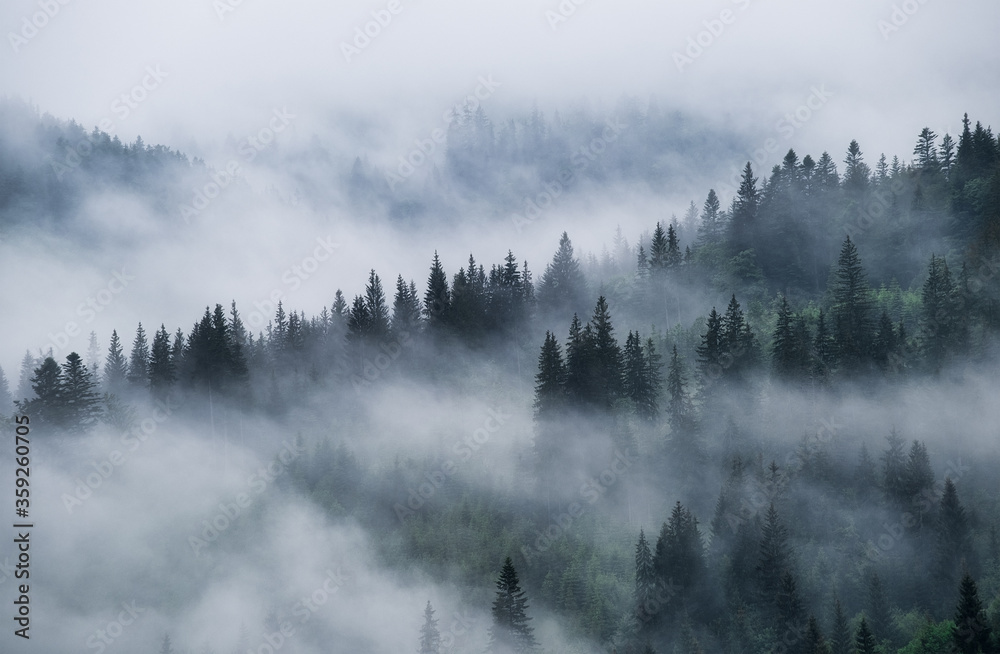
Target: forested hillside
[716, 435]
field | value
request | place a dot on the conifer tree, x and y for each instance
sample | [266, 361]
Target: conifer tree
[877, 610]
[80, 402]
[607, 355]
[510, 632]
[852, 308]
[953, 535]
[138, 362]
[47, 407]
[744, 212]
[680, 410]
[437, 298]
[115, 366]
[550, 381]
[658, 248]
[774, 558]
[864, 641]
[840, 634]
[6, 399]
[561, 288]
[430, 636]
[645, 581]
[814, 641]
[162, 371]
[710, 230]
[971, 633]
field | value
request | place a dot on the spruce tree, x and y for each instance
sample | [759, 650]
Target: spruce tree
[550, 381]
[658, 250]
[378, 309]
[953, 534]
[971, 633]
[138, 362]
[645, 582]
[814, 641]
[562, 286]
[852, 309]
[774, 557]
[47, 407]
[162, 370]
[6, 399]
[840, 634]
[81, 403]
[710, 230]
[864, 641]
[510, 632]
[115, 366]
[877, 610]
[607, 356]
[680, 410]
[744, 213]
[437, 298]
[430, 636]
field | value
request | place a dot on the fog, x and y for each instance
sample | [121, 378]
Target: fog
[310, 488]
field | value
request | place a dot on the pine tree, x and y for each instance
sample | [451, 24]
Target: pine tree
[607, 355]
[405, 309]
[864, 641]
[840, 634]
[971, 633]
[679, 556]
[824, 348]
[680, 410]
[878, 611]
[814, 641]
[856, 171]
[658, 248]
[744, 213]
[562, 286]
[852, 308]
[510, 631]
[138, 363]
[437, 298]
[550, 381]
[115, 367]
[378, 310]
[47, 407]
[938, 313]
[894, 482]
[81, 403]
[926, 158]
[774, 557]
[673, 256]
[162, 371]
[790, 349]
[884, 345]
[430, 636]
[953, 535]
[581, 382]
[918, 476]
[645, 582]
[710, 230]
[166, 647]
[24, 390]
[94, 358]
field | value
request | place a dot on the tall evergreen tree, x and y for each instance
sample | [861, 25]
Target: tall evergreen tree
[81, 403]
[562, 287]
[658, 248]
[744, 212]
[711, 230]
[6, 398]
[953, 534]
[138, 362]
[864, 641]
[645, 582]
[115, 366]
[430, 636]
[938, 313]
[162, 371]
[510, 632]
[550, 381]
[840, 634]
[607, 355]
[852, 308]
[47, 407]
[680, 410]
[437, 298]
[971, 633]
[877, 610]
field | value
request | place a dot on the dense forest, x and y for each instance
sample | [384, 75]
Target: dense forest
[687, 482]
